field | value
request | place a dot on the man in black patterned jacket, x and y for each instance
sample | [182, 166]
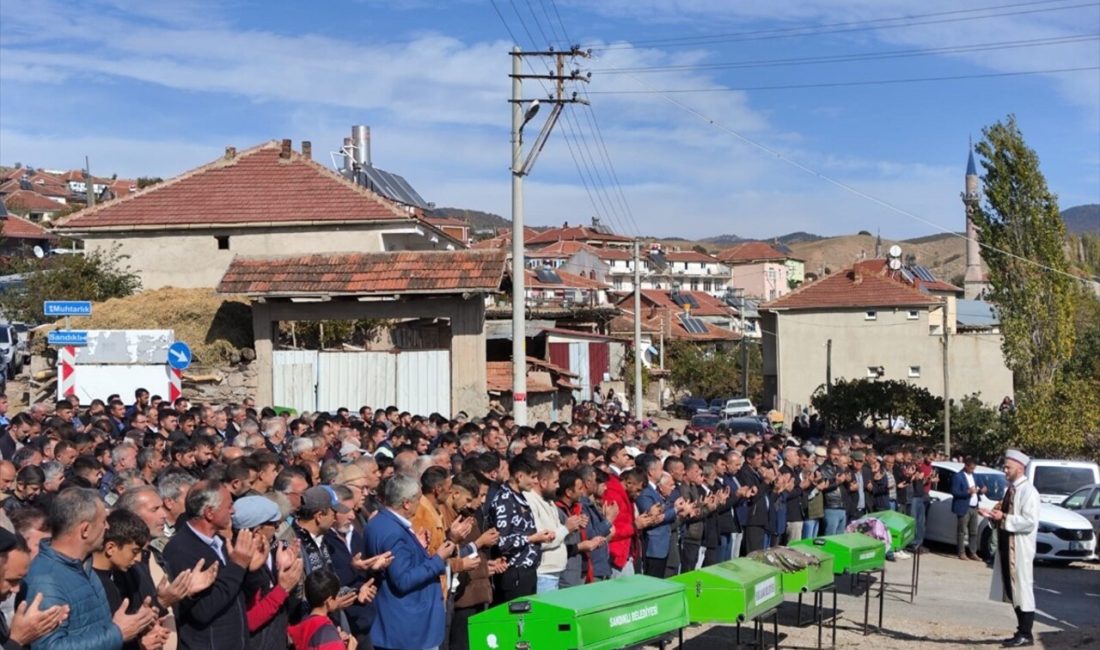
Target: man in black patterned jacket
[519, 542]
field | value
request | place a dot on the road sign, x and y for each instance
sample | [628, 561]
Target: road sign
[179, 355]
[67, 307]
[62, 338]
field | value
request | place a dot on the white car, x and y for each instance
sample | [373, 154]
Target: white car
[739, 408]
[1064, 536]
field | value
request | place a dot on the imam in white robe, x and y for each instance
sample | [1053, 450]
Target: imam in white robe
[1022, 524]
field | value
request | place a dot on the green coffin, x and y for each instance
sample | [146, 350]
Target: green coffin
[903, 528]
[852, 552]
[731, 592]
[812, 577]
[600, 616]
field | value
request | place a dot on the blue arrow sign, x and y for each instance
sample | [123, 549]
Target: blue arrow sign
[67, 307]
[179, 355]
[64, 338]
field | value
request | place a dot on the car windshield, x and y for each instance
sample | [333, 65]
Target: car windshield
[1053, 479]
[704, 420]
[738, 403]
[1076, 501]
[995, 484]
[744, 426]
[5, 335]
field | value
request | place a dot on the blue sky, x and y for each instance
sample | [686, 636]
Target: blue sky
[156, 88]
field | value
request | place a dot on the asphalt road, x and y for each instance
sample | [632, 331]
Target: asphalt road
[951, 610]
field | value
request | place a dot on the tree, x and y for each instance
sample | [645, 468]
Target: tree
[145, 181]
[95, 275]
[711, 373]
[853, 404]
[978, 430]
[698, 248]
[1023, 239]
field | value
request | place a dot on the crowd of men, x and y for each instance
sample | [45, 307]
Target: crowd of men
[155, 525]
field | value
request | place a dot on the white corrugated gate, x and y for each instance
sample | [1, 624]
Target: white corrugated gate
[295, 381]
[578, 363]
[418, 381]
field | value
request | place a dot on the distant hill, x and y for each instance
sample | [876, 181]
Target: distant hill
[797, 238]
[1082, 219]
[477, 219]
[942, 254]
[928, 239]
[723, 240]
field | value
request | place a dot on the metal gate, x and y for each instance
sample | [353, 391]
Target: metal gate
[418, 381]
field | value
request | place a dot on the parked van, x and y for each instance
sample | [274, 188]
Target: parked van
[1057, 479]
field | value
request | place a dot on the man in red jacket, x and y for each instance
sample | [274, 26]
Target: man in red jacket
[622, 540]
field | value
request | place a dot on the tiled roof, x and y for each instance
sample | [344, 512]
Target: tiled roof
[447, 221]
[654, 320]
[574, 233]
[612, 253]
[568, 281]
[662, 298]
[689, 256]
[498, 378]
[504, 239]
[864, 284]
[366, 273]
[14, 227]
[32, 201]
[560, 250]
[752, 251]
[256, 186]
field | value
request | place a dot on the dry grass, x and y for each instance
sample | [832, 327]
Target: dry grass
[215, 326]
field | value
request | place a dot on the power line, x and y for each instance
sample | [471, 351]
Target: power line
[840, 84]
[842, 185]
[576, 163]
[844, 27]
[846, 58]
[590, 112]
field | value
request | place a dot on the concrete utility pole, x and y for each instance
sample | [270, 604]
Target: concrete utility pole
[638, 410]
[519, 294]
[521, 167]
[946, 386]
[89, 183]
[828, 365]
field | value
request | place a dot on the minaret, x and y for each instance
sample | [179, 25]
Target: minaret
[973, 282]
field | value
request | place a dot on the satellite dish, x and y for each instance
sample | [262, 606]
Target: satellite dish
[895, 263]
[895, 251]
[39, 252]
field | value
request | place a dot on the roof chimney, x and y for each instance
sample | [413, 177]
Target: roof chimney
[307, 149]
[230, 153]
[284, 150]
[360, 136]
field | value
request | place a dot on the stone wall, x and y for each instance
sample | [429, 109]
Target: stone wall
[220, 384]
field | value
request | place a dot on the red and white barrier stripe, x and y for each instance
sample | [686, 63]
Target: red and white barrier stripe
[66, 359]
[175, 384]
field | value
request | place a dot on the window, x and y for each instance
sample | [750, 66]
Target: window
[870, 315]
[914, 372]
[1055, 479]
[1076, 501]
[223, 242]
[708, 285]
[694, 284]
[618, 284]
[913, 314]
[874, 372]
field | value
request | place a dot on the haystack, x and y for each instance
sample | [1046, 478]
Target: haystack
[216, 327]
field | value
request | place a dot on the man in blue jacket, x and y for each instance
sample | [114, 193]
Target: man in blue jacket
[657, 537]
[409, 604]
[964, 503]
[61, 574]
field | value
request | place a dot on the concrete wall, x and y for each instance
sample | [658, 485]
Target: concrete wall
[467, 318]
[755, 281]
[192, 259]
[797, 355]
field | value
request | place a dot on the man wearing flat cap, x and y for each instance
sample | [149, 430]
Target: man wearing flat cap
[1016, 520]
